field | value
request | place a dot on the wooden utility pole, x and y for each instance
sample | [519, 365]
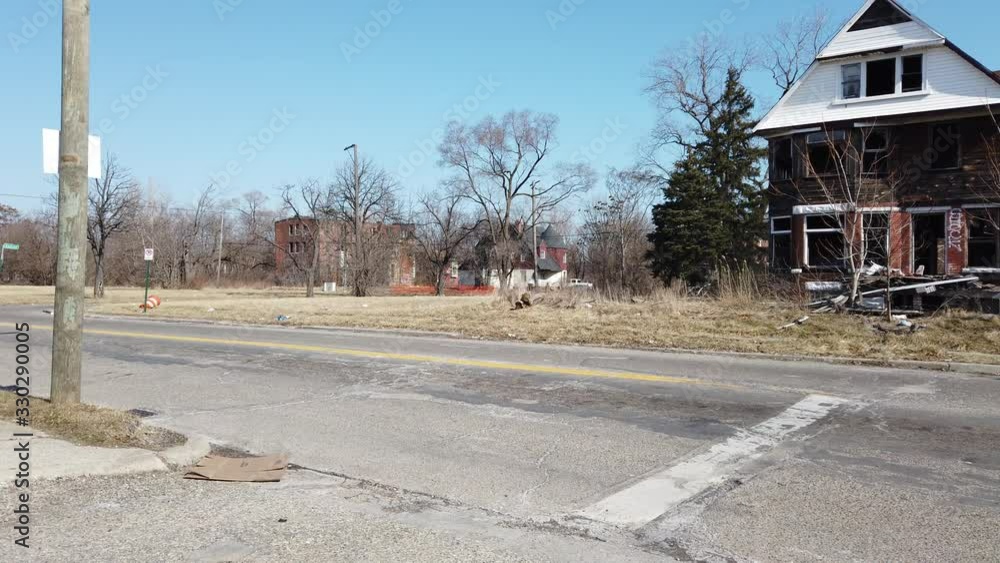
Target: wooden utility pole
[71, 270]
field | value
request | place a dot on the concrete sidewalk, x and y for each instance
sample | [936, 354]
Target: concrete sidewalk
[52, 458]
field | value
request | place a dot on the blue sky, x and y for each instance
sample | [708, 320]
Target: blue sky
[186, 89]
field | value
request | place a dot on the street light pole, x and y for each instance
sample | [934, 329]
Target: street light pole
[71, 259]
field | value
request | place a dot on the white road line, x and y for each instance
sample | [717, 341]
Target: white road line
[647, 500]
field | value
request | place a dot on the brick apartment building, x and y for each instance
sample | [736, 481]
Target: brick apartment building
[294, 243]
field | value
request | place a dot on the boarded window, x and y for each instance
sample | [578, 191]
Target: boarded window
[913, 73]
[946, 147]
[881, 78]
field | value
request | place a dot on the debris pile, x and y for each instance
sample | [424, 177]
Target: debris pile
[880, 292]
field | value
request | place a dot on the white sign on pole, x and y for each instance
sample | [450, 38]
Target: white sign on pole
[149, 255]
[50, 154]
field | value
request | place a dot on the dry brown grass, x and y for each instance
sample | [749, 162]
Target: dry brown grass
[89, 425]
[668, 320]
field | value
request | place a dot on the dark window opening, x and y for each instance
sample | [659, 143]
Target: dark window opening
[851, 81]
[781, 225]
[826, 250]
[881, 78]
[930, 244]
[824, 150]
[984, 238]
[876, 152]
[877, 238]
[825, 241]
[913, 73]
[881, 14]
[781, 251]
[783, 160]
[946, 145]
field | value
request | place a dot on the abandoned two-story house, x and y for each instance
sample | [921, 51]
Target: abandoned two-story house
[886, 148]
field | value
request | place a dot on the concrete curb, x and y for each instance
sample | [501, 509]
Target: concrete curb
[941, 366]
[186, 454]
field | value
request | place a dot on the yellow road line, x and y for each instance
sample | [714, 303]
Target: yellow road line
[506, 366]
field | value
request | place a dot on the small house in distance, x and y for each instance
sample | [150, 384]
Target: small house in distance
[885, 154]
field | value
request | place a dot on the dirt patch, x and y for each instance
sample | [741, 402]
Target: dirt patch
[91, 426]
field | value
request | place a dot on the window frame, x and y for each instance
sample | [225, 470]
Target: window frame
[783, 233]
[865, 151]
[896, 76]
[861, 81]
[775, 151]
[923, 73]
[827, 142]
[931, 166]
[806, 231]
[898, 91]
[993, 220]
[888, 235]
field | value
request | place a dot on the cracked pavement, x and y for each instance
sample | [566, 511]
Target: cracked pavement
[459, 460]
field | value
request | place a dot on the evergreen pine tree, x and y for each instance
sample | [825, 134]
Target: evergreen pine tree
[691, 230]
[733, 161]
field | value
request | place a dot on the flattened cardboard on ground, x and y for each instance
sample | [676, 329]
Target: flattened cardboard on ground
[266, 469]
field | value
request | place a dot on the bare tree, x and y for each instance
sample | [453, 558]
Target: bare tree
[687, 86]
[307, 203]
[114, 203]
[365, 208]
[192, 229]
[855, 175]
[615, 233]
[495, 165]
[442, 231]
[788, 51]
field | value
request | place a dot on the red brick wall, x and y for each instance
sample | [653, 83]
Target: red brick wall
[955, 227]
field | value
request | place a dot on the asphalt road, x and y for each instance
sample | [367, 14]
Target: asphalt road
[431, 448]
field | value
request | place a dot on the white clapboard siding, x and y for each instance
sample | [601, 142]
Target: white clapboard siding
[899, 35]
[952, 83]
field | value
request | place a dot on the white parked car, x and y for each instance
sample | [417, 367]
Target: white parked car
[580, 284]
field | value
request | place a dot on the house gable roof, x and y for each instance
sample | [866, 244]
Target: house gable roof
[871, 31]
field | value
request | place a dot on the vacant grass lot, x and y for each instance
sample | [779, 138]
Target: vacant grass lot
[89, 425]
[664, 322]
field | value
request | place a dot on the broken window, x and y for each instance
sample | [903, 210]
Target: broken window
[946, 147]
[880, 77]
[781, 243]
[783, 160]
[824, 150]
[876, 152]
[851, 81]
[913, 73]
[882, 13]
[929, 244]
[877, 238]
[984, 238]
[825, 242]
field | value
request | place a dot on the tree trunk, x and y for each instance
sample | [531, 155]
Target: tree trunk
[310, 283]
[440, 281]
[98, 275]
